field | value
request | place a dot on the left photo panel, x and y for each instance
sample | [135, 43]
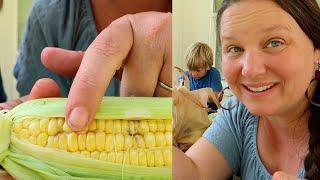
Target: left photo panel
[85, 89]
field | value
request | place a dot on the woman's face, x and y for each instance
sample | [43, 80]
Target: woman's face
[267, 60]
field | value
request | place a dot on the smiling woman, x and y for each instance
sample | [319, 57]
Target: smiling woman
[269, 65]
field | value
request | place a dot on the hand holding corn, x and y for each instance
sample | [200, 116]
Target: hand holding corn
[139, 44]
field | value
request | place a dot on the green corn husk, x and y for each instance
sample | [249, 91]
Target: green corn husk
[24, 160]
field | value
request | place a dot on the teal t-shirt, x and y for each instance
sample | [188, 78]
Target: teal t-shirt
[234, 134]
[67, 24]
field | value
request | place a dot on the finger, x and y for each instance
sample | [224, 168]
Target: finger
[61, 61]
[150, 58]
[13, 103]
[44, 88]
[100, 62]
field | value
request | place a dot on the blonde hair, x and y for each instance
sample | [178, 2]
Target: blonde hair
[199, 55]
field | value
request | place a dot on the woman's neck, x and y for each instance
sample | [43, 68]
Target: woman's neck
[106, 11]
[290, 124]
[283, 140]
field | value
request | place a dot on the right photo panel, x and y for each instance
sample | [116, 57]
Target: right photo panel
[246, 97]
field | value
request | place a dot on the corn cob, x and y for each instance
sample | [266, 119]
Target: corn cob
[126, 140]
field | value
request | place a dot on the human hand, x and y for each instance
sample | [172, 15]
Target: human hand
[43, 88]
[140, 44]
[280, 175]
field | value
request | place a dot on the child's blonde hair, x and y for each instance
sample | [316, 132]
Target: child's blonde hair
[199, 55]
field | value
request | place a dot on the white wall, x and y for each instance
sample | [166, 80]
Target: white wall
[192, 22]
[8, 45]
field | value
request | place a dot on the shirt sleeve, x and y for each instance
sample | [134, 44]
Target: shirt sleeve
[28, 68]
[225, 134]
[215, 82]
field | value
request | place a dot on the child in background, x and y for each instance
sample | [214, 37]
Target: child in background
[201, 74]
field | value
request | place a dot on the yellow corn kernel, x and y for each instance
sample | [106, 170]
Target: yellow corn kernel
[142, 157]
[53, 127]
[161, 126]
[44, 123]
[100, 141]
[93, 125]
[117, 126]
[85, 154]
[134, 157]
[150, 140]
[101, 125]
[42, 139]
[132, 142]
[66, 127]
[84, 131]
[72, 142]
[110, 141]
[91, 142]
[109, 126]
[167, 157]
[153, 126]
[119, 142]
[124, 127]
[150, 158]
[63, 142]
[111, 157]
[168, 124]
[26, 122]
[132, 127]
[119, 157]
[17, 127]
[33, 140]
[160, 139]
[128, 142]
[143, 127]
[24, 134]
[56, 142]
[95, 155]
[168, 136]
[140, 141]
[34, 128]
[82, 141]
[158, 158]
[50, 142]
[60, 122]
[103, 156]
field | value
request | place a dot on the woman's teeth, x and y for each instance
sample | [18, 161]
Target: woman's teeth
[260, 89]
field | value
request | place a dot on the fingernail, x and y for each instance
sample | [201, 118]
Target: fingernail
[78, 118]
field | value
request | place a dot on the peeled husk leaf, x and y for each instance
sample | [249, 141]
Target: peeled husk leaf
[190, 116]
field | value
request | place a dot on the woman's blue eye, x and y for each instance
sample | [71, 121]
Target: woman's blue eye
[274, 43]
[234, 49]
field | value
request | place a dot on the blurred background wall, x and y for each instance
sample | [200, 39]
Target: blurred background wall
[13, 16]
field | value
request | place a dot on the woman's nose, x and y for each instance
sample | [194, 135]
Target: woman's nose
[253, 65]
